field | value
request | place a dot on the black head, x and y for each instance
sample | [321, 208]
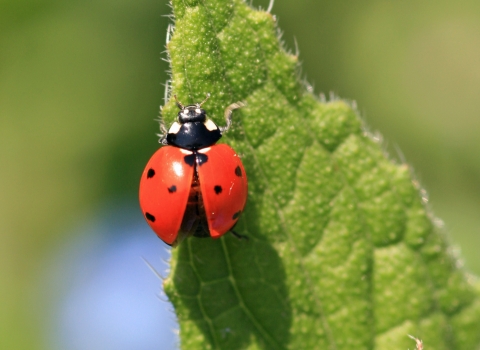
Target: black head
[193, 130]
[192, 113]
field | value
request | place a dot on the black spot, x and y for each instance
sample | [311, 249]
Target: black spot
[172, 189]
[218, 189]
[236, 215]
[238, 171]
[201, 158]
[150, 173]
[190, 159]
[150, 217]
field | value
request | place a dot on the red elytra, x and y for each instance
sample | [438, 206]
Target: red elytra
[193, 187]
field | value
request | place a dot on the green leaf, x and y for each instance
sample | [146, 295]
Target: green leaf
[342, 251]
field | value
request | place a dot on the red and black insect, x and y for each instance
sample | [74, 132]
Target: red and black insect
[191, 186]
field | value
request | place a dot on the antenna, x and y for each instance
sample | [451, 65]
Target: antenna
[206, 98]
[179, 104]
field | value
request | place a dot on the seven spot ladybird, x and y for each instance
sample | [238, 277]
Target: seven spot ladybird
[191, 186]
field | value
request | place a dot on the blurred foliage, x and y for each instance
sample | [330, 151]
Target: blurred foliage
[81, 82]
[80, 86]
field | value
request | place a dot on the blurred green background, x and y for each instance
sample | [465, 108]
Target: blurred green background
[81, 84]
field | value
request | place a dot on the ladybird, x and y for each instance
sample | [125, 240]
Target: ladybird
[191, 186]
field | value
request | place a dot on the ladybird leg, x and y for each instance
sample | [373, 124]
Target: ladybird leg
[238, 235]
[228, 115]
[163, 132]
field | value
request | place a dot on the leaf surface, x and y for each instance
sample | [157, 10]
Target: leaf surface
[342, 251]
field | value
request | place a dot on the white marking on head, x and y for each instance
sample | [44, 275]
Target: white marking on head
[198, 111]
[185, 151]
[210, 125]
[175, 128]
[204, 150]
